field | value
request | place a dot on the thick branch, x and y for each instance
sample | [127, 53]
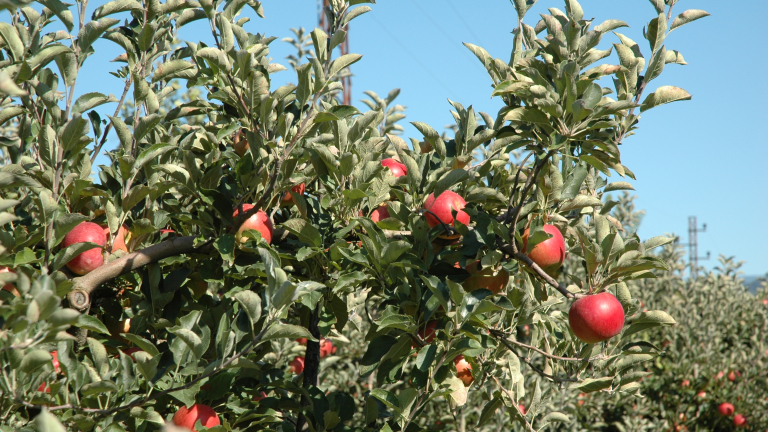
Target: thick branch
[84, 285]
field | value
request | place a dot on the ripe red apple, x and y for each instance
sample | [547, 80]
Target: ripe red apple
[288, 199]
[91, 259]
[427, 334]
[488, 278]
[731, 376]
[240, 143]
[685, 383]
[260, 396]
[596, 318]
[522, 408]
[326, 348]
[440, 209]
[701, 394]
[297, 365]
[549, 254]
[739, 421]
[381, 213]
[463, 370]
[56, 364]
[302, 341]
[9, 286]
[187, 417]
[725, 409]
[397, 169]
[720, 375]
[765, 302]
[259, 222]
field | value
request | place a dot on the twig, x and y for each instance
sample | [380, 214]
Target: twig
[499, 335]
[509, 395]
[511, 209]
[536, 369]
[527, 188]
[97, 150]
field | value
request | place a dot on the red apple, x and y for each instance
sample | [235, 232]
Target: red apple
[739, 420]
[326, 348]
[187, 417]
[90, 259]
[56, 364]
[596, 318]
[120, 240]
[549, 254]
[44, 388]
[9, 286]
[440, 209]
[427, 334]
[765, 302]
[259, 222]
[240, 143]
[701, 394]
[685, 383]
[288, 199]
[260, 396]
[731, 376]
[381, 213]
[725, 409]
[297, 365]
[463, 370]
[397, 169]
[522, 408]
[720, 375]
[488, 278]
[302, 341]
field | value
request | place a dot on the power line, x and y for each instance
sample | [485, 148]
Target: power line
[405, 48]
[461, 18]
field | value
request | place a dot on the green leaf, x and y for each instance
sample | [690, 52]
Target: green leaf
[146, 124]
[527, 115]
[142, 343]
[663, 95]
[92, 31]
[35, 359]
[686, 17]
[657, 241]
[9, 87]
[342, 62]
[45, 56]
[91, 100]
[12, 41]
[171, 69]
[556, 417]
[387, 398]
[64, 316]
[393, 250]
[581, 201]
[135, 195]
[123, 133]
[305, 231]
[630, 360]
[192, 340]
[618, 186]
[590, 385]
[489, 410]
[287, 331]
[449, 179]
[425, 357]
[251, 304]
[402, 322]
[65, 255]
[91, 323]
[216, 57]
[115, 6]
[47, 422]
[9, 111]
[61, 10]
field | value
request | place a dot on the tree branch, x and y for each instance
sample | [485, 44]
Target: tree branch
[509, 395]
[501, 336]
[84, 285]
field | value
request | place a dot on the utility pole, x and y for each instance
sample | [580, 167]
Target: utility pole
[693, 245]
[346, 80]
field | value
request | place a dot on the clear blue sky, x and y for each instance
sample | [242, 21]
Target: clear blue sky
[707, 157]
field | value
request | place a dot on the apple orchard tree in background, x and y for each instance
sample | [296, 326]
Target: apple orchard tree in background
[249, 271]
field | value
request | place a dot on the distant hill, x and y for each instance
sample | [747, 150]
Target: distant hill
[753, 282]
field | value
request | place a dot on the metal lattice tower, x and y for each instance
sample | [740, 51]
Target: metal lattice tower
[693, 245]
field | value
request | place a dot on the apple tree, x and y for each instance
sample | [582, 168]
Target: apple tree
[272, 258]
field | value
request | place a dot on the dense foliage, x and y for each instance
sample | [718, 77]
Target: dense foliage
[247, 264]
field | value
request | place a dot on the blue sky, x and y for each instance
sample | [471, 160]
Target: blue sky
[706, 157]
